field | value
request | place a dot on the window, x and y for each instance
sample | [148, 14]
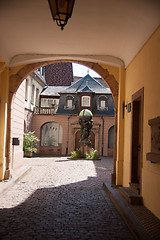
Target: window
[69, 103]
[48, 102]
[37, 97]
[41, 71]
[102, 103]
[86, 101]
[32, 96]
[26, 90]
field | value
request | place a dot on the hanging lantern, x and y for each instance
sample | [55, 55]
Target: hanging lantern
[61, 11]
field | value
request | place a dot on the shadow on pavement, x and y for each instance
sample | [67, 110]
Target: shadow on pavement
[73, 211]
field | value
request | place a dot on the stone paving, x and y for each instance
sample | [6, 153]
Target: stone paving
[61, 199]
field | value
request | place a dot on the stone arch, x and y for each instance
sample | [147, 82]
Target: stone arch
[16, 79]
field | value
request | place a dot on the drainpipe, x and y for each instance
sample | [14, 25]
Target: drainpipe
[67, 143]
[102, 133]
[99, 140]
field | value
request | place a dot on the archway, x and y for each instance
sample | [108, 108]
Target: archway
[24, 71]
[51, 138]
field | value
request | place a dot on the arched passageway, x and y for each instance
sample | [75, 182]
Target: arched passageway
[22, 73]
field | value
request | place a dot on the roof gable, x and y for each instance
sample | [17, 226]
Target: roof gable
[86, 84]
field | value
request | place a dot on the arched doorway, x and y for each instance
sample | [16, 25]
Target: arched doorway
[51, 134]
[77, 138]
[110, 141]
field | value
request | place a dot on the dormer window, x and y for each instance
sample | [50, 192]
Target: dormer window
[102, 103]
[86, 101]
[69, 102]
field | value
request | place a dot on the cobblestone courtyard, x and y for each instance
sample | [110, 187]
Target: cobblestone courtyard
[61, 199]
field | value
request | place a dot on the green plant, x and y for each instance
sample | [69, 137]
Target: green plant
[76, 154]
[93, 155]
[30, 142]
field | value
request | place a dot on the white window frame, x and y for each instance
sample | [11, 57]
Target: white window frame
[102, 104]
[69, 103]
[26, 90]
[33, 95]
[37, 97]
[86, 101]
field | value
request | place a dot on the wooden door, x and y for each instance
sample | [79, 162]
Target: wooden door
[137, 137]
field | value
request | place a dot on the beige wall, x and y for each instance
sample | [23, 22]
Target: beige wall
[4, 86]
[144, 71]
[32, 81]
[17, 125]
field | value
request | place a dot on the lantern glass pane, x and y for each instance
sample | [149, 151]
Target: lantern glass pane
[53, 7]
[62, 6]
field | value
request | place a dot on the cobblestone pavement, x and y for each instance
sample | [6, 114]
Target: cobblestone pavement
[61, 199]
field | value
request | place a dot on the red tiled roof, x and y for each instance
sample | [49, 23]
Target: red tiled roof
[59, 74]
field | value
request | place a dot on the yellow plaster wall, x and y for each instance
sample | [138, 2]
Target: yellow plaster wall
[144, 71]
[120, 127]
[112, 70]
[14, 70]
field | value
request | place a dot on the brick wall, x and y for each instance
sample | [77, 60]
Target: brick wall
[39, 120]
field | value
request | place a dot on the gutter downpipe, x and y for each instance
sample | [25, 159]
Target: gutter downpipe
[67, 143]
[102, 133]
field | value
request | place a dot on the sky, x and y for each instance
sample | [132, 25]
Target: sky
[81, 71]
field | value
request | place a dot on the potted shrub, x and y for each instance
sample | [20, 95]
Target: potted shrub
[29, 144]
[92, 155]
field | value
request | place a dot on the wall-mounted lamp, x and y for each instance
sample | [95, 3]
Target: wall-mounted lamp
[127, 106]
[61, 11]
[123, 107]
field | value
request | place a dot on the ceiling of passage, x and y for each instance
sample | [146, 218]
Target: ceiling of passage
[108, 30]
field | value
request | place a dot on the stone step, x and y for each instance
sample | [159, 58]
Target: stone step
[135, 188]
[131, 196]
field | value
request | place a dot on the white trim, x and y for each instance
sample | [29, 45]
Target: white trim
[86, 101]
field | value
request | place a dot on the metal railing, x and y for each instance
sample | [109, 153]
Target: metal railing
[44, 111]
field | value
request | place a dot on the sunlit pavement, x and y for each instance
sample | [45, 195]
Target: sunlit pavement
[61, 199]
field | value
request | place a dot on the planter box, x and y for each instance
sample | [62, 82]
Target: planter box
[28, 154]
